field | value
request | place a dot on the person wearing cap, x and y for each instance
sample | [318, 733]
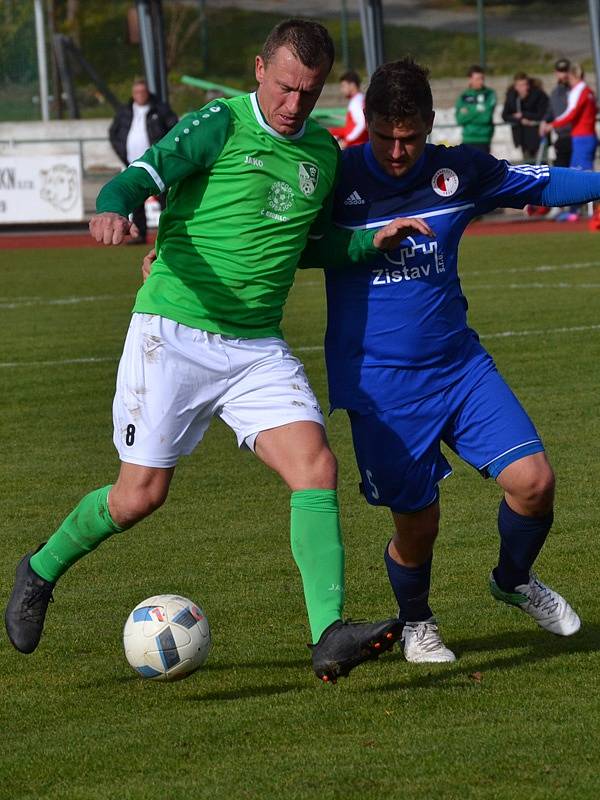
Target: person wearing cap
[474, 110]
[558, 105]
[580, 115]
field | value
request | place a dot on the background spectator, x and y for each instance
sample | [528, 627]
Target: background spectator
[137, 125]
[354, 130]
[474, 111]
[580, 117]
[557, 105]
[524, 108]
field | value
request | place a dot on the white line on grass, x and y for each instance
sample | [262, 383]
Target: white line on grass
[22, 302]
[305, 349]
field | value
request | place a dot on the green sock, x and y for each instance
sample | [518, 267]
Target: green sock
[87, 526]
[319, 554]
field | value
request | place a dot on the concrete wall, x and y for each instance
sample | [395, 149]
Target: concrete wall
[63, 136]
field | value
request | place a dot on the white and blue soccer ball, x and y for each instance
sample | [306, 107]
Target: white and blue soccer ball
[166, 637]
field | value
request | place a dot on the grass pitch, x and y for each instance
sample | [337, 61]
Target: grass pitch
[517, 715]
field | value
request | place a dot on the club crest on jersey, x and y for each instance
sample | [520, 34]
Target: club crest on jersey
[445, 182]
[308, 177]
[281, 196]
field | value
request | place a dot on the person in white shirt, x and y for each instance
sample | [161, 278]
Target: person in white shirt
[137, 125]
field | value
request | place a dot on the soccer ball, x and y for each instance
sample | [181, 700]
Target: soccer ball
[166, 637]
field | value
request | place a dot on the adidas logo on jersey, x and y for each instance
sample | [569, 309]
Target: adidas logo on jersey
[354, 199]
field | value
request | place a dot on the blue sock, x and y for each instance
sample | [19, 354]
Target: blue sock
[521, 539]
[411, 587]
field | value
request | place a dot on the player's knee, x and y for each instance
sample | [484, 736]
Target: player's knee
[537, 490]
[324, 468]
[129, 508]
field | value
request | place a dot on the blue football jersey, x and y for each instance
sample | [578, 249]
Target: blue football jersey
[397, 329]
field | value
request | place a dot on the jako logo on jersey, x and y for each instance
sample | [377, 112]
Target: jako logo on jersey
[354, 199]
[254, 162]
[308, 177]
[444, 182]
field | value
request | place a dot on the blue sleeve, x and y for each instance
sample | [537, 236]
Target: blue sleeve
[570, 186]
[498, 184]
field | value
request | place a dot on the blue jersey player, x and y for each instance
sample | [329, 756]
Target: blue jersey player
[412, 374]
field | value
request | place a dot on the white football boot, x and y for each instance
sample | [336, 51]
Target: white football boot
[423, 644]
[548, 608]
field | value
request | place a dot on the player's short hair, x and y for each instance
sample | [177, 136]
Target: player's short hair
[308, 40]
[399, 90]
[475, 69]
[351, 77]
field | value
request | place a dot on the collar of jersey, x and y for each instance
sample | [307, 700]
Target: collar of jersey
[398, 183]
[265, 125]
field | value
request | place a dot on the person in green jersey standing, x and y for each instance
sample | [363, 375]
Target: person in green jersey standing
[474, 111]
[250, 182]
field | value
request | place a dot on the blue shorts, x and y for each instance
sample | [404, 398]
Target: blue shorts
[583, 152]
[398, 451]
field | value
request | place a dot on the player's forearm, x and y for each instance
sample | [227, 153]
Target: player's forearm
[569, 186]
[125, 191]
[339, 248]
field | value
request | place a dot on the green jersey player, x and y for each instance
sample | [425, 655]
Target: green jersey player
[249, 187]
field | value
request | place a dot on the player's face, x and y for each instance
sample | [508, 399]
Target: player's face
[477, 80]
[397, 146]
[522, 87]
[140, 94]
[288, 90]
[348, 89]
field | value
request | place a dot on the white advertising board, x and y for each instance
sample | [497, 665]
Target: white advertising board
[40, 189]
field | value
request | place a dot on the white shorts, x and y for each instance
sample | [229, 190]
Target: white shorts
[173, 379]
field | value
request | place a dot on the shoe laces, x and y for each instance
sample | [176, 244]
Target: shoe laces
[36, 600]
[427, 636]
[541, 596]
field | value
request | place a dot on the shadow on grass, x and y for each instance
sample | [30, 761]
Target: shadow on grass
[536, 646]
[245, 692]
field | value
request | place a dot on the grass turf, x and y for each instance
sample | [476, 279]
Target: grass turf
[517, 714]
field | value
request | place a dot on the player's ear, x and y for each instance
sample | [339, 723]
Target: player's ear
[430, 123]
[259, 69]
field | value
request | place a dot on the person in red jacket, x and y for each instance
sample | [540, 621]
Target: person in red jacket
[354, 130]
[580, 114]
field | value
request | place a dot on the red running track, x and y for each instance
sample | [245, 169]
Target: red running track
[48, 239]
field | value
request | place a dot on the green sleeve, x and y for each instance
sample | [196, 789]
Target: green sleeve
[193, 145]
[338, 248]
[462, 113]
[490, 103]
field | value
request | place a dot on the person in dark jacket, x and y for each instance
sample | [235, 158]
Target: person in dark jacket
[557, 106]
[137, 125]
[524, 108]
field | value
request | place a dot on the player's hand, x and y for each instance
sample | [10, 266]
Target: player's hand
[111, 228]
[149, 259]
[398, 229]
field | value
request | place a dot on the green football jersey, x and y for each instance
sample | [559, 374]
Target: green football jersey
[242, 201]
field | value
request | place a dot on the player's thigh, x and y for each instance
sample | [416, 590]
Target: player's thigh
[398, 454]
[168, 381]
[267, 389]
[489, 428]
